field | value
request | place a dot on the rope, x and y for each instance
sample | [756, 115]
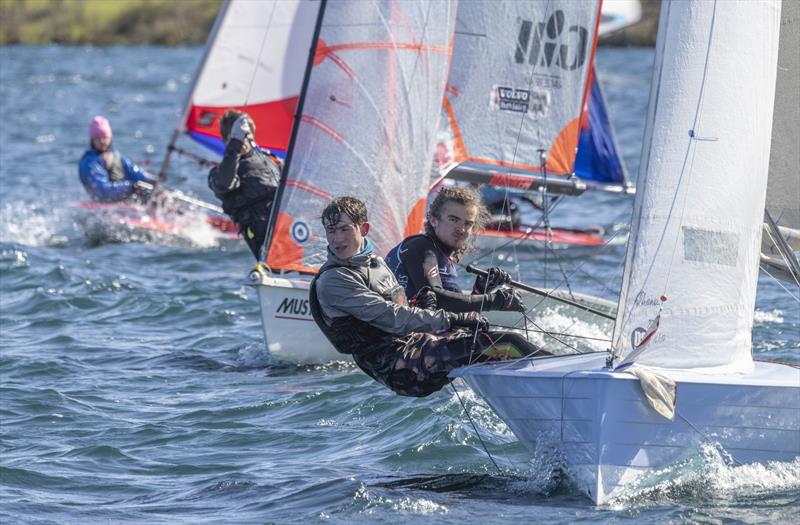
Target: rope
[475, 428]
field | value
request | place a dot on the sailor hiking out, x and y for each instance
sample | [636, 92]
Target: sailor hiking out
[362, 309]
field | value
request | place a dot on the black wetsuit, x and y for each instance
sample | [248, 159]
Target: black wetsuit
[421, 261]
[246, 185]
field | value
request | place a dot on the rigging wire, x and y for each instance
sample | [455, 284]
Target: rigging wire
[475, 428]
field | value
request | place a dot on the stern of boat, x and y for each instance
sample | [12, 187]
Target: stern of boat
[290, 332]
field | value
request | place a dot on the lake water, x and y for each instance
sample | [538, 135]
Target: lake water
[136, 387]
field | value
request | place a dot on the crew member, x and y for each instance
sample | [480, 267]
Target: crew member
[105, 174]
[360, 307]
[246, 179]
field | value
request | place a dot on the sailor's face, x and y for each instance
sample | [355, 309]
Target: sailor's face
[455, 223]
[345, 239]
[101, 143]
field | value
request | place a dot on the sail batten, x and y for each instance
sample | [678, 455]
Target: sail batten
[690, 279]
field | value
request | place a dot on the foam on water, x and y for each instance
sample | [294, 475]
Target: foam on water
[709, 474]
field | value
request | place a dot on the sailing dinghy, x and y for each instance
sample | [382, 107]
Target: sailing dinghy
[535, 119]
[680, 371]
[343, 146]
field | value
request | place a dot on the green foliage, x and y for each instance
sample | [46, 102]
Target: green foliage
[167, 22]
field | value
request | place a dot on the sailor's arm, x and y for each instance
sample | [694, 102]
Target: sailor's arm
[340, 290]
[223, 178]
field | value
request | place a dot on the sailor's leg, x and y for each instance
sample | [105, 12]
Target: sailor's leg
[425, 360]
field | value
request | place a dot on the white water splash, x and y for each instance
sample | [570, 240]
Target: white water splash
[708, 474]
[35, 224]
[766, 317]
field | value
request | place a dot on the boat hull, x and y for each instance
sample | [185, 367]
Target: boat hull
[610, 438]
[291, 334]
[556, 238]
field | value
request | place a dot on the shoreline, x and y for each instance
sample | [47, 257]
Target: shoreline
[175, 23]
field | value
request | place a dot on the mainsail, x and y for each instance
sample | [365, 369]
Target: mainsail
[783, 189]
[689, 286]
[518, 86]
[368, 124]
[254, 61]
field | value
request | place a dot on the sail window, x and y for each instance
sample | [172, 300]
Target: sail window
[708, 246]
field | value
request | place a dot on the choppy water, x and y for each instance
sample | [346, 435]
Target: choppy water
[135, 387]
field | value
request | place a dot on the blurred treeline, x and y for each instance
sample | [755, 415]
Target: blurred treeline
[172, 22]
[164, 22]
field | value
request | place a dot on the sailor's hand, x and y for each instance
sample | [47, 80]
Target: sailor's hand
[143, 189]
[425, 298]
[496, 277]
[241, 128]
[471, 320]
[507, 299]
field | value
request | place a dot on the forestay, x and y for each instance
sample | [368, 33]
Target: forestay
[368, 125]
[690, 277]
[519, 82]
[254, 61]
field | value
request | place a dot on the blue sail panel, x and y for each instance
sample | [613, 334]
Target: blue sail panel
[598, 158]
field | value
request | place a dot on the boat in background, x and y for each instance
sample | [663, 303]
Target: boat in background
[681, 372]
[781, 239]
[254, 61]
[168, 216]
[512, 128]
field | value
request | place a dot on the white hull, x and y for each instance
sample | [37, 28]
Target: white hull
[291, 334]
[609, 436]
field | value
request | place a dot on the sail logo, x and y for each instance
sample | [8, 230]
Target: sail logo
[552, 44]
[300, 232]
[293, 306]
[641, 337]
[520, 101]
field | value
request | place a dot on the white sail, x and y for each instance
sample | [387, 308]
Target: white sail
[783, 190]
[690, 278]
[255, 61]
[368, 125]
[519, 82]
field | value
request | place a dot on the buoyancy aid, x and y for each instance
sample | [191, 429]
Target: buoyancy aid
[348, 334]
[250, 202]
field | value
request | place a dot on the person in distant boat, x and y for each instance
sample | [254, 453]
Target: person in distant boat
[362, 310]
[105, 174]
[425, 264]
[246, 180]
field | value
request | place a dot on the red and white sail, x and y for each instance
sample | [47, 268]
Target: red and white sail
[254, 61]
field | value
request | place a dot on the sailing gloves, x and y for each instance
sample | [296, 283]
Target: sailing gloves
[424, 298]
[495, 277]
[506, 299]
[241, 128]
[471, 320]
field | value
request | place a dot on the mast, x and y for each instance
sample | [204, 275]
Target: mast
[295, 126]
[162, 174]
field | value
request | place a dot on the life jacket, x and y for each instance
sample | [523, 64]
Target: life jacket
[350, 335]
[258, 180]
[113, 165]
[411, 248]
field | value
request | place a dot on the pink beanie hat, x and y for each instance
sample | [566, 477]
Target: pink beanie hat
[99, 127]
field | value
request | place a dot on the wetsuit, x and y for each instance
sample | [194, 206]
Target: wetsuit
[422, 261]
[361, 308]
[110, 177]
[246, 185]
